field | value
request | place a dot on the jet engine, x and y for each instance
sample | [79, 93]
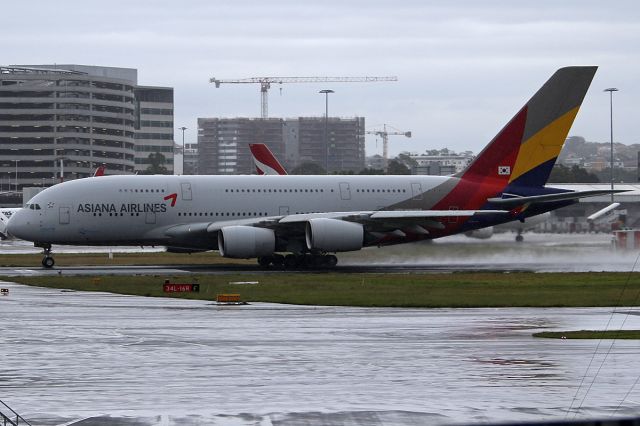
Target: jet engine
[481, 234]
[243, 242]
[334, 235]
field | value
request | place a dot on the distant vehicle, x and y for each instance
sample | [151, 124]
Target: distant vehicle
[312, 217]
[5, 215]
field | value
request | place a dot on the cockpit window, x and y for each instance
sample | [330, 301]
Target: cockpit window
[33, 206]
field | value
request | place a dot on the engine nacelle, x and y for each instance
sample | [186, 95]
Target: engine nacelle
[481, 234]
[244, 242]
[334, 235]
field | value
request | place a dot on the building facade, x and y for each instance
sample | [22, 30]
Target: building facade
[223, 144]
[441, 164]
[61, 122]
[154, 126]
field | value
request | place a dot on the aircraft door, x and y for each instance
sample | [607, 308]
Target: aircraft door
[150, 218]
[345, 191]
[284, 210]
[65, 215]
[416, 191]
[185, 187]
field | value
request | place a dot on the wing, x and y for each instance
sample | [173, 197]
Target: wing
[377, 223]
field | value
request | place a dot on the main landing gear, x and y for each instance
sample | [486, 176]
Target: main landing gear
[47, 259]
[298, 261]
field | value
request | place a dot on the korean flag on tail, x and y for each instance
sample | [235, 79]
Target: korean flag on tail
[504, 170]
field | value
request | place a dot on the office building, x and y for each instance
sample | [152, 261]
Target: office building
[63, 121]
[223, 143]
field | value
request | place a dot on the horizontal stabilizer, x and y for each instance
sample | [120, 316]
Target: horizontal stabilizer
[515, 200]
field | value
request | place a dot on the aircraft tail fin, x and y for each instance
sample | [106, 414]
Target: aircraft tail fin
[99, 171]
[523, 153]
[266, 163]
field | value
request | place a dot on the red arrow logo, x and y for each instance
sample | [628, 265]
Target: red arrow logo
[173, 197]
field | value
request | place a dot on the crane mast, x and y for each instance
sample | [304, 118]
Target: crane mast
[266, 82]
[384, 134]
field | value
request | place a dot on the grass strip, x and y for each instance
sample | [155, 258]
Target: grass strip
[121, 259]
[458, 290]
[590, 334]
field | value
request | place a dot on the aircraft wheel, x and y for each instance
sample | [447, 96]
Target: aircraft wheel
[48, 262]
[278, 260]
[264, 261]
[290, 261]
[331, 261]
[519, 238]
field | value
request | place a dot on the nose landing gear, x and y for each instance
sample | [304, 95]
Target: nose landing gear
[47, 259]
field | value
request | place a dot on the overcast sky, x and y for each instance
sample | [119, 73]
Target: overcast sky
[464, 67]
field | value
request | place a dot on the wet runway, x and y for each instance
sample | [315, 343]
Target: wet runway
[539, 253]
[68, 356]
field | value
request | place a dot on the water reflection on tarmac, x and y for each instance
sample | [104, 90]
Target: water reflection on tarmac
[131, 360]
[539, 253]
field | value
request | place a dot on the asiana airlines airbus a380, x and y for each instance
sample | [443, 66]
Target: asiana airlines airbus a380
[310, 217]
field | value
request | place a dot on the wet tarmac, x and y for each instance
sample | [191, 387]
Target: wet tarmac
[97, 358]
[539, 253]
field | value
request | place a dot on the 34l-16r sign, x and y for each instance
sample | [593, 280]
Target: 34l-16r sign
[180, 288]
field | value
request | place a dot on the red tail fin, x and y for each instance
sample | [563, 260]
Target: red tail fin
[99, 171]
[266, 163]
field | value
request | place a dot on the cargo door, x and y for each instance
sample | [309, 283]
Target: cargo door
[65, 215]
[186, 191]
[416, 191]
[150, 218]
[345, 191]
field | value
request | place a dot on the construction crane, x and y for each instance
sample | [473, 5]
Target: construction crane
[385, 143]
[266, 82]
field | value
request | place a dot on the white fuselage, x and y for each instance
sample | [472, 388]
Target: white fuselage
[138, 209]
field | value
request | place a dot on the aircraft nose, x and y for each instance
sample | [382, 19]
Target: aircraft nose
[18, 226]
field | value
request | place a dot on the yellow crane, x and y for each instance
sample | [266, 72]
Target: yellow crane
[384, 134]
[266, 82]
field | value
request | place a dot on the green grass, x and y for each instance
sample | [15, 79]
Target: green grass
[590, 334]
[121, 259]
[460, 290]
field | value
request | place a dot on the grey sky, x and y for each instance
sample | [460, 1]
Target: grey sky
[464, 67]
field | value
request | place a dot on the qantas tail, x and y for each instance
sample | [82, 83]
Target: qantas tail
[99, 171]
[522, 155]
[266, 163]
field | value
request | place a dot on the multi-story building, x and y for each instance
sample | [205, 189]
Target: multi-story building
[154, 126]
[441, 164]
[223, 144]
[68, 119]
[341, 149]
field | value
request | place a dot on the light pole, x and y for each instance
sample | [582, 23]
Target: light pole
[183, 129]
[16, 174]
[611, 90]
[326, 127]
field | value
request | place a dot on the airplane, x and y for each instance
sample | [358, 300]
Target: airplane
[309, 218]
[267, 164]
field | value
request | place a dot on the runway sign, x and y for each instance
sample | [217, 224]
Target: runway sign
[180, 288]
